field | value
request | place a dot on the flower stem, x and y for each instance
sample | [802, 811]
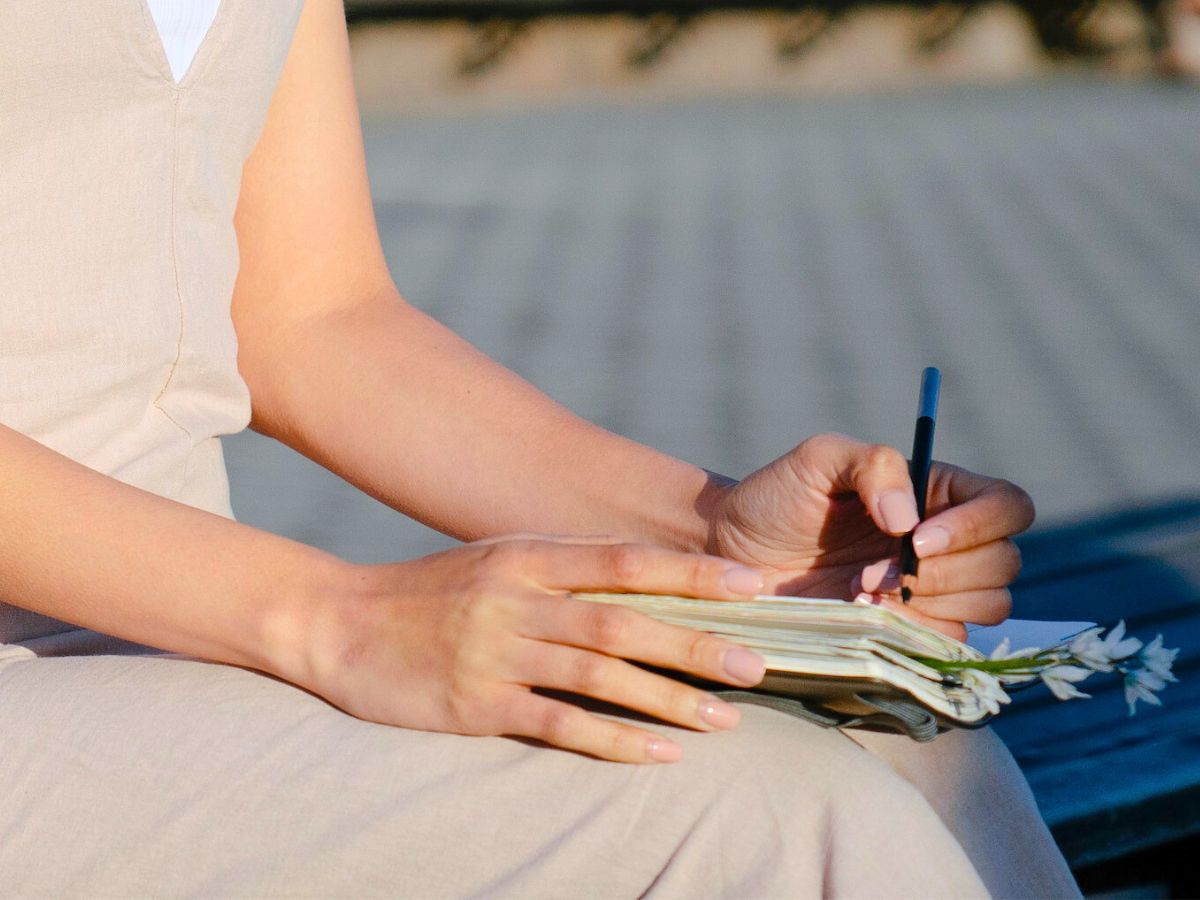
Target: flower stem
[1023, 665]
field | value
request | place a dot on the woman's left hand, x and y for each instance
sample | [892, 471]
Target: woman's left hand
[826, 520]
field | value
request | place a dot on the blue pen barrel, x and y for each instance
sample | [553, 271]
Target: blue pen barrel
[918, 467]
[931, 385]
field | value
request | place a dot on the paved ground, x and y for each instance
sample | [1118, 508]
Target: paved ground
[721, 279]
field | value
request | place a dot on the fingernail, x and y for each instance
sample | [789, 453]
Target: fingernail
[881, 576]
[899, 511]
[718, 713]
[662, 750]
[865, 599]
[931, 540]
[741, 580]
[744, 665]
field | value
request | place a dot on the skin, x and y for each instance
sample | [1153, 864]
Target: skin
[341, 368]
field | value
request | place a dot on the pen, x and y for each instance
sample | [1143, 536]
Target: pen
[918, 467]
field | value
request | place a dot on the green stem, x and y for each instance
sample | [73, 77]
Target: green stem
[1024, 665]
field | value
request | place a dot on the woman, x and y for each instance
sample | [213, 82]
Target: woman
[181, 256]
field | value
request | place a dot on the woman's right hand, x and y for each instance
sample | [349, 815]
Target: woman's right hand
[458, 642]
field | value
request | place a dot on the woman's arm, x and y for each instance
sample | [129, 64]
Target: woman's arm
[451, 642]
[87, 549]
[342, 369]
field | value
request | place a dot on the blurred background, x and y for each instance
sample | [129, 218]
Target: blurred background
[719, 228]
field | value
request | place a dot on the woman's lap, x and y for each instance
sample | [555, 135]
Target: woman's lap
[995, 818]
[128, 774]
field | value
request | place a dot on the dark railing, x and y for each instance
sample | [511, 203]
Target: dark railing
[1061, 25]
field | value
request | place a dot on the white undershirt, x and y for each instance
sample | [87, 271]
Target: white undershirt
[182, 25]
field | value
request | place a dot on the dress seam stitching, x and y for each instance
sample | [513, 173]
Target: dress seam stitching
[174, 264]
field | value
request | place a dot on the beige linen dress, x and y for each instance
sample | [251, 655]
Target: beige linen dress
[128, 773]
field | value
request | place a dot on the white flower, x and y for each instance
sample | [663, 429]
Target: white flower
[1117, 648]
[1066, 664]
[1140, 684]
[1002, 652]
[986, 687]
[1158, 660]
[1099, 655]
[1016, 677]
[1087, 648]
[1061, 680]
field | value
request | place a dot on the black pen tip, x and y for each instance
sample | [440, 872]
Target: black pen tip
[905, 594]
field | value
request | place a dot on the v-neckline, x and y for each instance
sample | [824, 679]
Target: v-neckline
[199, 60]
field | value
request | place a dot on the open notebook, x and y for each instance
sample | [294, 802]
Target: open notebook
[847, 658]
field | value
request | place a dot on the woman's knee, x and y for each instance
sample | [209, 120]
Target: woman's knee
[845, 817]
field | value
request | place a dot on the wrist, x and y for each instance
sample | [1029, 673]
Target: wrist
[686, 502]
[304, 635]
[710, 504]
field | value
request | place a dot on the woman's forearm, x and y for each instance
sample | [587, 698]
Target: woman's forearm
[342, 369]
[82, 547]
[401, 407]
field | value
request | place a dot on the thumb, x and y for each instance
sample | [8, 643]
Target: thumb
[878, 474]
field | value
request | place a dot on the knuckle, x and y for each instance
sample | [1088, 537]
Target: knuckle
[626, 561]
[609, 627]
[477, 630]
[556, 725]
[811, 451]
[682, 701]
[1012, 561]
[999, 609]
[881, 459]
[1026, 504]
[1006, 604]
[462, 656]
[969, 532]
[501, 556]
[932, 578]
[1020, 501]
[477, 610]
[699, 651]
[707, 575]
[805, 451]
[621, 743]
[590, 674]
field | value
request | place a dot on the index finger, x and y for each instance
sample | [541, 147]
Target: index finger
[616, 630]
[972, 510]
